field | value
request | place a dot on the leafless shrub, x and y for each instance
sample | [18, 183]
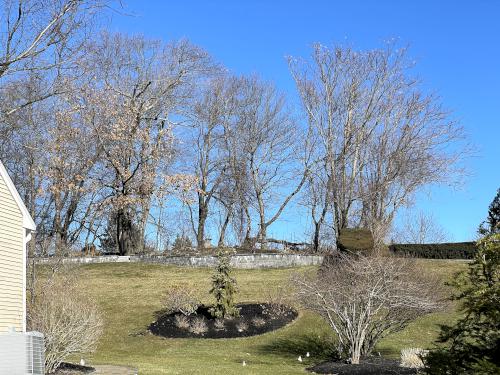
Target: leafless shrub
[365, 298]
[277, 303]
[182, 321]
[412, 357]
[258, 321]
[242, 326]
[219, 324]
[69, 320]
[181, 299]
[198, 326]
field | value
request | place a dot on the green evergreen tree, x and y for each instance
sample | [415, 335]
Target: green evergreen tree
[492, 223]
[223, 288]
[473, 343]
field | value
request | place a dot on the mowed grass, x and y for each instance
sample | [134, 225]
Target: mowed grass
[130, 294]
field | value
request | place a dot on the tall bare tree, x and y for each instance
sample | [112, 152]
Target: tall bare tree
[268, 137]
[379, 137]
[213, 112]
[139, 85]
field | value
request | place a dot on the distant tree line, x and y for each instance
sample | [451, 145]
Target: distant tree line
[124, 142]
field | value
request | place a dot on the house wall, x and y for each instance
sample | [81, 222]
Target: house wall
[11, 262]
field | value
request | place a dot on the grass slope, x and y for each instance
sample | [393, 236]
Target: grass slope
[129, 295]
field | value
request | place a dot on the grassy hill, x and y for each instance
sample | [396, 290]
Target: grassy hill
[130, 294]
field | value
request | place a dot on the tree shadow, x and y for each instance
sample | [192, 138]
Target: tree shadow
[322, 348]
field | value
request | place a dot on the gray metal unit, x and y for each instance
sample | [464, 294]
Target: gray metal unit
[35, 353]
[22, 353]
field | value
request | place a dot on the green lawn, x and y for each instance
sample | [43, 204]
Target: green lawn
[129, 295]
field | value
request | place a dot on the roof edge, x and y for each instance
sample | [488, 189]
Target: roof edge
[28, 222]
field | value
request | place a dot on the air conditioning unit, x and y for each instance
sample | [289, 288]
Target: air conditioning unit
[22, 353]
[35, 353]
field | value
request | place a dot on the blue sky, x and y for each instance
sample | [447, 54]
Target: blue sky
[456, 45]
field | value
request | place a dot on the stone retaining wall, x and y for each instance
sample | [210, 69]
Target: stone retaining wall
[237, 261]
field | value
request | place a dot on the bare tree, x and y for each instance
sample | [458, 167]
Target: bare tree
[40, 43]
[213, 112]
[41, 35]
[268, 137]
[420, 228]
[366, 298]
[138, 85]
[51, 156]
[379, 137]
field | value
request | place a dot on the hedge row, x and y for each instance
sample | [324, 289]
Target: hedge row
[456, 250]
[355, 240]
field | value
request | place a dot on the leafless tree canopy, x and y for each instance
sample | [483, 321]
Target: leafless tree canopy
[115, 141]
[365, 298]
[41, 37]
[419, 228]
[378, 135]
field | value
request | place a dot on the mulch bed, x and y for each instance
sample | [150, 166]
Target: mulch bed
[368, 366]
[73, 369]
[254, 320]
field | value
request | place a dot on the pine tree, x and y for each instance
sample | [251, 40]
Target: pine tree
[223, 288]
[492, 223]
[473, 343]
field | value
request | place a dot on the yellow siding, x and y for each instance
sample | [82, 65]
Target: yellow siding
[11, 261]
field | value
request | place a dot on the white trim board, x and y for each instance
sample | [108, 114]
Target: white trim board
[28, 222]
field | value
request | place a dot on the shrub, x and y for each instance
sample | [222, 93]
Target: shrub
[181, 243]
[181, 299]
[457, 250]
[472, 345]
[412, 357]
[355, 240]
[219, 324]
[365, 298]
[198, 326]
[182, 321]
[258, 321]
[223, 288]
[242, 326]
[277, 303]
[70, 321]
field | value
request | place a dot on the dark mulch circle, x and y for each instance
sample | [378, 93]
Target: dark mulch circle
[253, 320]
[73, 369]
[368, 366]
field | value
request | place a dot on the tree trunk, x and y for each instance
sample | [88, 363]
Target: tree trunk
[202, 219]
[58, 225]
[223, 229]
[247, 241]
[123, 232]
[263, 236]
[317, 229]
[146, 207]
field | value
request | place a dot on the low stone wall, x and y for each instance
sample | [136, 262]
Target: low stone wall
[248, 261]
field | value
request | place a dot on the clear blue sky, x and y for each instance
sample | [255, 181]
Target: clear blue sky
[456, 45]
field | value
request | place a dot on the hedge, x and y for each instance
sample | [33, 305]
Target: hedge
[355, 240]
[455, 250]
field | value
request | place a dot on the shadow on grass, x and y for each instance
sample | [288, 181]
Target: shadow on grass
[322, 348]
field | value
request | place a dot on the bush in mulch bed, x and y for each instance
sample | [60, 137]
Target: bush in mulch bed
[368, 366]
[254, 319]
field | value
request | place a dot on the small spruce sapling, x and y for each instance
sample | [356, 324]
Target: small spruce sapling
[223, 288]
